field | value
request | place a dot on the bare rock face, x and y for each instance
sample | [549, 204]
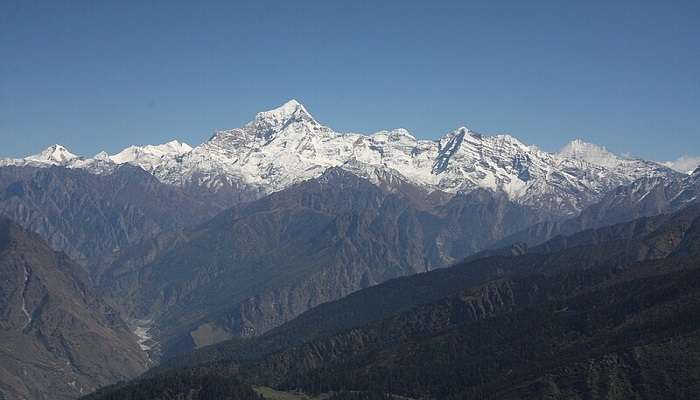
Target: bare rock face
[58, 338]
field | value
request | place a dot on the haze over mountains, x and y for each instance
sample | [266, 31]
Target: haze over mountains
[244, 242]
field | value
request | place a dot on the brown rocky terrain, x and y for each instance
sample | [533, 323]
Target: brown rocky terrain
[58, 338]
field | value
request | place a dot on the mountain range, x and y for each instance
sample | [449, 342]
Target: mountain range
[286, 254]
[287, 145]
[602, 314]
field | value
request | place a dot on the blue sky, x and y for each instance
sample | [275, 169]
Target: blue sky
[102, 75]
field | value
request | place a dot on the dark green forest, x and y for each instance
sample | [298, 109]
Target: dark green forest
[180, 385]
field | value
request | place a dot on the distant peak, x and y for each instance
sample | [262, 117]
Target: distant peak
[55, 154]
[293, 104]
[57, 149]
[173, 146]
[395, 134]
[288, 110]
[581, 150]
[292, 113]
[448, 146]
[134, 153]
[579, 147]
[459, 133]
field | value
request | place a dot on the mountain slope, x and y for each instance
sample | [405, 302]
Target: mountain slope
[569, 344]
[583, 317]
[613, 246]
[643, 197]
[181, 386]
[488, 340]
[260, 264]
[91, 217]
[58, 339]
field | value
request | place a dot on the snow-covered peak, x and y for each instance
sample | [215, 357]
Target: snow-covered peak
[598, 155]
[291, 118]
[151, 157]
[135, 153]
[54, 155]
[461, 132]
[393, 135]
[288, 110]
[172, 147]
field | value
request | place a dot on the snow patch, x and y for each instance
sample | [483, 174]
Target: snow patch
[141, 328]
[25, 286]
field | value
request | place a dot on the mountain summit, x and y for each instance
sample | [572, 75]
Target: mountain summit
[54, 155]
[291, 110]
[290, 120]
[592, 153]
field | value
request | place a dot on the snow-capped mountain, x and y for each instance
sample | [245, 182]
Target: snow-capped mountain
[52, 155]
[146, 157]
[594, 154]
[287, 145]
[149, 155]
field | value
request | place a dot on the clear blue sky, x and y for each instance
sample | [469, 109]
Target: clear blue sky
[93, 76]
